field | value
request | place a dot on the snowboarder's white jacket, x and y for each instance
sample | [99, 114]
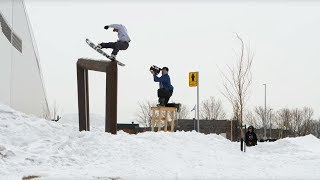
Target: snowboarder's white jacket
[122, 32]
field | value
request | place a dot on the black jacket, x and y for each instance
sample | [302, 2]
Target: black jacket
[251, 138]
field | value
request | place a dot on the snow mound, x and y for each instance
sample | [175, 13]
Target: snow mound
[31, 146]
[97, 122]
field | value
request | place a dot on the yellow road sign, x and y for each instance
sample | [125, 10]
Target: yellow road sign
[193, 79]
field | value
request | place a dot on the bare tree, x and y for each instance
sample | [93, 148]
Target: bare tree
[283, 118]
[235, 111]
[259, 115]
[251, 119]
[238, 80]
[316, 128]
[301, 122]
[297, 121]
[261, 121]
[144, 112]
[307, 126]
[184, 112]
[212, 109]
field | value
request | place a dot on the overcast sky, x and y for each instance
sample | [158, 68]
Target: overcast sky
[184, 37]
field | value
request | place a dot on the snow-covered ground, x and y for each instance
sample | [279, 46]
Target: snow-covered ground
[57, 150]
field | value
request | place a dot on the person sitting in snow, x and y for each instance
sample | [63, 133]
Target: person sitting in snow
[251, 137]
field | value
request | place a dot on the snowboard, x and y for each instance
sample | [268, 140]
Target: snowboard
[93, 46]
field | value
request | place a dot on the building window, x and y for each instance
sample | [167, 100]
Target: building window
[11, 36]
[5, 28]
[16, 42]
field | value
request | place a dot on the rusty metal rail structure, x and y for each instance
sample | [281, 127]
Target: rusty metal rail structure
[111, 70]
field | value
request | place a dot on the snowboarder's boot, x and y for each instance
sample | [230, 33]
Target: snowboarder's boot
[113, 57]
[161, 102]
[99, 46]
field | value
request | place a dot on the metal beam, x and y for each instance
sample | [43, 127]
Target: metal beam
[111, 70]
[94, 65]
[82, 98]
[111, 98]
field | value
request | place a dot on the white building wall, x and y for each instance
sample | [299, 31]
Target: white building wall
[5, 55]
[26, 91]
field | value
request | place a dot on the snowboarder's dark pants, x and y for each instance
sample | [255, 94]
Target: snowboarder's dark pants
[116, 46]
[164, 96]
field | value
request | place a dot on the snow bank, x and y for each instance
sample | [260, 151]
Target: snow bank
[56, 150]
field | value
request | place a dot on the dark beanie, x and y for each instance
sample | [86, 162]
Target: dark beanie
[166, 68]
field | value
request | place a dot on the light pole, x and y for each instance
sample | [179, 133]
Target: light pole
[265, 112]
[270, 122]
[195, 117]
[198, 124]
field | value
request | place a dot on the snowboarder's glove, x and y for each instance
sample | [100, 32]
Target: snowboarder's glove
[106, 27]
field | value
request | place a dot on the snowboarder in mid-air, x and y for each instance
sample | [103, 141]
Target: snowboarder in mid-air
[122, 42]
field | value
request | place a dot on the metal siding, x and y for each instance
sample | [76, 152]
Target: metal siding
[20, 74]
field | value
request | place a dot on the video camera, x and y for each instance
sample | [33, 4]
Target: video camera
[155, 69]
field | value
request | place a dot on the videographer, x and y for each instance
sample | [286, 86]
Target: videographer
[165, 88]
